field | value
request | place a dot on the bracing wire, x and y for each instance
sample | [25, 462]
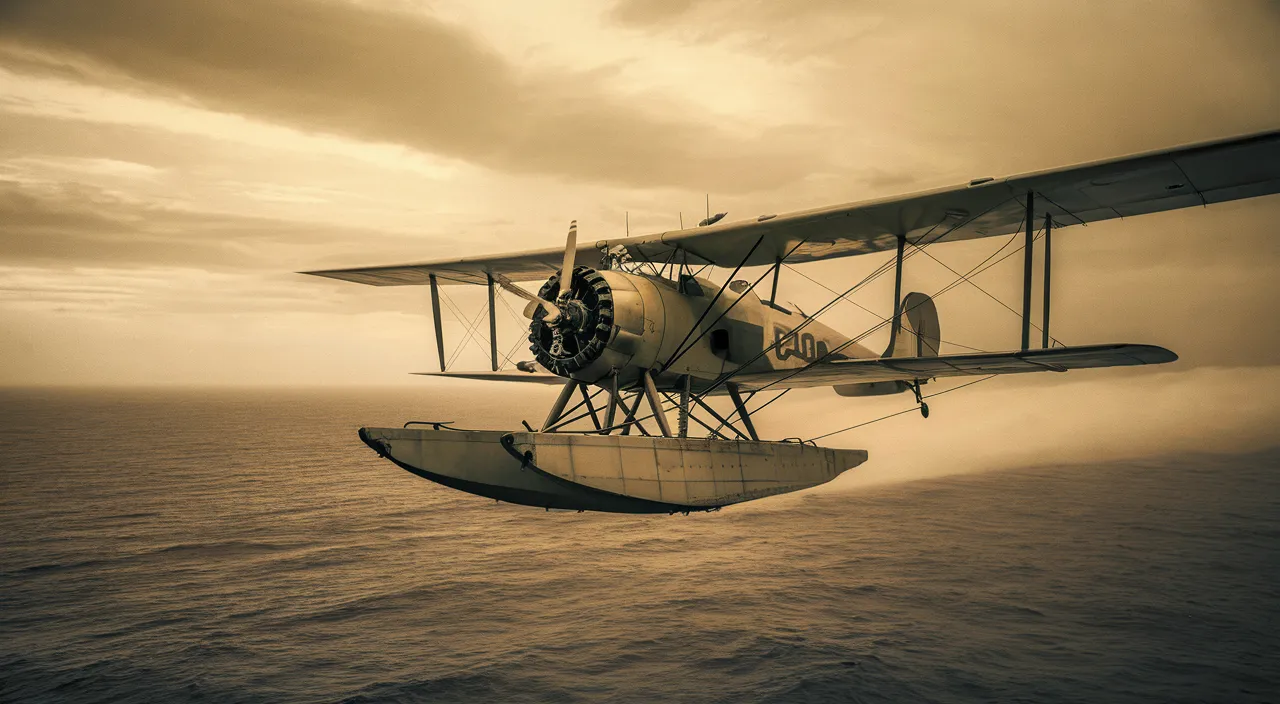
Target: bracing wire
[879, 317]
[473, 330]
[974, 271]
[467, 321]
[870, 277]
[968, 278]
[898, 413]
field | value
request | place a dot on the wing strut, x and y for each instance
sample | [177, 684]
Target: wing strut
[897, 297]
[773, 292]
[435, 316]
[1048, 256]
[1026, 270]
[493, 328]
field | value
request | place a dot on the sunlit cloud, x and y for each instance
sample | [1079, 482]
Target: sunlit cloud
[61, 99]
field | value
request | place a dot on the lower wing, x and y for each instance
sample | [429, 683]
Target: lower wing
[526, 377]
[909, 369]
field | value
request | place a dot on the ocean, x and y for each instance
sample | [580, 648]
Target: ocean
[244, 546]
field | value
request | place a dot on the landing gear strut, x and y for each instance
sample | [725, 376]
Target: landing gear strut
[924, 407]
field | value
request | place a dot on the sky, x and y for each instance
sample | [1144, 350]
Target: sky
[165, 167]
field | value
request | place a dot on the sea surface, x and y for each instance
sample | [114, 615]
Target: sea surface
[244, 546]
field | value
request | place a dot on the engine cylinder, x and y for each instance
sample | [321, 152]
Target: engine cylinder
[612, 329]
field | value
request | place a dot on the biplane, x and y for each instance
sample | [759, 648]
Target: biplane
[633, 331]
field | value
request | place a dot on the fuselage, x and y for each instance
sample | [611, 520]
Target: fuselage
[679, 328]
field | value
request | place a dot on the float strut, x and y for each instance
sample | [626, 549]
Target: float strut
[1048, 257]
[557, 410]
[630, 419]
[591, 408]
[655, 405]
[435, 316]
[742, 410]
[1027, 255]
[614, 400]
[682, 426]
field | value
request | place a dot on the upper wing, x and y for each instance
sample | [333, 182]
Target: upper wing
[858, 371]
[1200, 174]
[1182, 177]
[536, 265]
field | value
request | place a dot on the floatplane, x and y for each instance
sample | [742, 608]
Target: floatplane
[632, 329]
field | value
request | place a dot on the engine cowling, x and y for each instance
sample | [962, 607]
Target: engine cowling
[613, 323]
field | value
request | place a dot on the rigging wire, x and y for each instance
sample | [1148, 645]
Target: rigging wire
[873, 313]
[969, 280]
[679, 348]
[975, 271]
[514, 316]
[473, 331]
[870, 277]
[891, 415]
[892, 263]
[635, 421]
[978, 269]
[763, 406]
[465, 320]
[520, 321]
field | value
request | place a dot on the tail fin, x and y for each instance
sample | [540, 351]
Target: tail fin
[916, 333]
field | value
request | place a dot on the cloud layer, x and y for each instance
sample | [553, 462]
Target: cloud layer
[164, 166]
[396, 77]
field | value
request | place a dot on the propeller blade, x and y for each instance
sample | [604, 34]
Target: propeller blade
[510, 287]
[566, 270]
[553, 312]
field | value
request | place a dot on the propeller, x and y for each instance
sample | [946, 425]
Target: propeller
[554, 312]
[565, 291]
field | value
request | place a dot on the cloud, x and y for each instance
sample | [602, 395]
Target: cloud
[1004, 86]
[69, 224]
[90, 165]
[651, 12]
[397, 77]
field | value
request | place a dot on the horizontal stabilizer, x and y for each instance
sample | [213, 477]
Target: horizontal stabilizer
[526, 377]
[858, 371]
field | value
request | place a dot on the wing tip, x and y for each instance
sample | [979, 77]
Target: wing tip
[1155, 354]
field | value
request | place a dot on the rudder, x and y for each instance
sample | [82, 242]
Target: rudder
[917, 332]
